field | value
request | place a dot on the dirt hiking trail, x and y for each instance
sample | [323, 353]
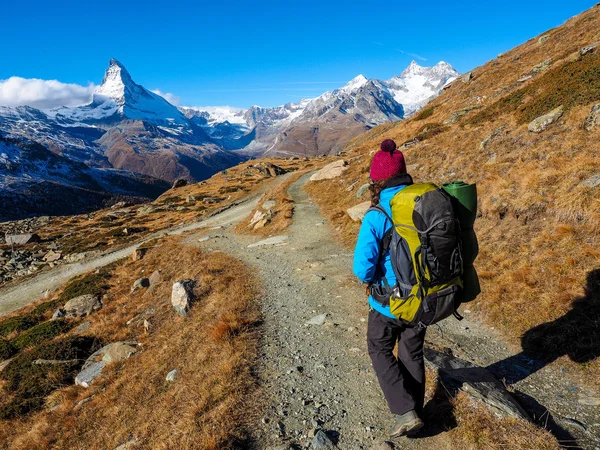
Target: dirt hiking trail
[318, 375]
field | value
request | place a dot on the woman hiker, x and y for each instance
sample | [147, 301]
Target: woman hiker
[402, 379]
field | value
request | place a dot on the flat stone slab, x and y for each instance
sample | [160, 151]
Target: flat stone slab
[318, 320]
[459, 375]
[275, 240]
[21, 239]
[89, 374]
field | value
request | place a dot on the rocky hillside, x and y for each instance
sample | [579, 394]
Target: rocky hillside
[524, 128]
[35, 181]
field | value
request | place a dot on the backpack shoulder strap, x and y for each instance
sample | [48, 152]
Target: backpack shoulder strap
[387, 237]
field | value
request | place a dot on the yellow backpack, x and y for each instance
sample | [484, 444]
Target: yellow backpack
[426, 256]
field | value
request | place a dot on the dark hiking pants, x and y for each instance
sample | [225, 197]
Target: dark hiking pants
[402, 379]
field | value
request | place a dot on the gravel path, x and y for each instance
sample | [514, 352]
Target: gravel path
[320, 376]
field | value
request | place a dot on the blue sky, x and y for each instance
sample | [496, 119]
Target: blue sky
[242, 53]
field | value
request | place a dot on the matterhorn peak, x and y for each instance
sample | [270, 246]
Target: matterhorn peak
[116, 79]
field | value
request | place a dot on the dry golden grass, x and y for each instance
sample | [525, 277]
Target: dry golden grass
[280, 215]
[539, 231]
[214, 350]
[477, 428]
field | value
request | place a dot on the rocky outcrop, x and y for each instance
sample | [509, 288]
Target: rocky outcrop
[333, 170]
[459, 375]
[82, 306]
[542, 123]
[140, 283]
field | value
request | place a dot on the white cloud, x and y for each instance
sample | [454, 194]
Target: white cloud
[171, 98]
[43, 94]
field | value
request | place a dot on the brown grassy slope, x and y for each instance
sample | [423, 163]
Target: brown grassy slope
[538, 229]
[214, 349]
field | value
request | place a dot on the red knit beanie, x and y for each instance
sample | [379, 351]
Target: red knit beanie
[387, 162]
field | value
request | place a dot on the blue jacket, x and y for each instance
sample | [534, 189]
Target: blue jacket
[366, 252]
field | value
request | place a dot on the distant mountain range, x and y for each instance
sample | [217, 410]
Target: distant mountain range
[324, 124]
[129, 133]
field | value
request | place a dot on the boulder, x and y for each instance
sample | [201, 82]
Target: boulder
[179, 183]
[138, 253]
[258, 216]
[466, 77]
[21, 239]
[140, 283]
[456, 115]
[268, 169]
[89, 374]
[82, 306]
[362, 190]
[543, 38]
[148, 209]
[119, 205]
[593, 118]
[544, 65]
[52, 256]
[155, 278]
[591, 182]
[357, 212]
[115, 352]
[322, 440]
[589, 48]
[542, 123]
[129, 445]
[92, 369]
[172, 375]
[333, 170]
[182, 296]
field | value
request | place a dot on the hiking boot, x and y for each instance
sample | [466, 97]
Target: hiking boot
[407, 423]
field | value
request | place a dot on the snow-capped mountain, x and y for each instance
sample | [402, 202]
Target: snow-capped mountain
[125, 126]
[128, 127]
[118, 98]
[416, 85]
[326, 123]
